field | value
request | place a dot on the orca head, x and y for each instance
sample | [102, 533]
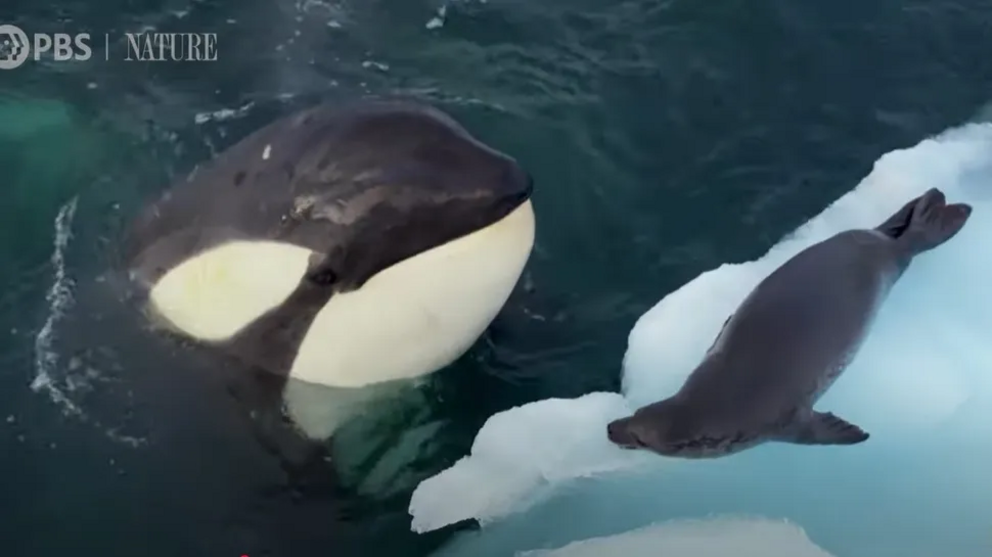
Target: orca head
[407, 233]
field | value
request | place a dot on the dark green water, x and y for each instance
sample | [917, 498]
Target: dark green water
[664, 137]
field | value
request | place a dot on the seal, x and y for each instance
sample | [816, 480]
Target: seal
[342, 245]
[788, 341]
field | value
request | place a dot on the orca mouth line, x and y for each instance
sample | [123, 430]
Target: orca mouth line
[519, 199]
[512, 202]
[524, 194]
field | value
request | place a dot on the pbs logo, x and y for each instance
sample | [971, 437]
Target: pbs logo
[13, 47]
[16, 47]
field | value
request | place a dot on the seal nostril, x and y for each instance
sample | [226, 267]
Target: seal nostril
[616, 434]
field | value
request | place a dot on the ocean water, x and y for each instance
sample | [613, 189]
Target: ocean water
[666, 139]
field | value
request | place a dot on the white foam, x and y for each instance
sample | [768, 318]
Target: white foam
[438, 20]
[223, 114]
[62, 383]
[925, 359]
[717, 537]
[60, 299]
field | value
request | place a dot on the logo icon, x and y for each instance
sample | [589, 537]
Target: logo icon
[13, 47]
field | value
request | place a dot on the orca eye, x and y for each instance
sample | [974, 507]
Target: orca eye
[324, 277]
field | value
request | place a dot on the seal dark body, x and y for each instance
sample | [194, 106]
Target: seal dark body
[789, 341]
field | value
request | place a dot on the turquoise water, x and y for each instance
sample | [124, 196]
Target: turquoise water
[665, 138]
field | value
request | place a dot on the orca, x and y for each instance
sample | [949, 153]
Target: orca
[344, 245]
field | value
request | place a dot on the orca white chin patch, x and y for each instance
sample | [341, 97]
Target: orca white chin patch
[421, 314]
[408, 320]
[219, 292]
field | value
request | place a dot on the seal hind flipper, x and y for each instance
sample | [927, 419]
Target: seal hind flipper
[824, 428]
[926, 222]
[896, 225]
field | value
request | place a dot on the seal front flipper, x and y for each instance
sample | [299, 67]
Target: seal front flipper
[823, 428]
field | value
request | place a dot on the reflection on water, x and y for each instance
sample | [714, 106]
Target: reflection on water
[697, 538]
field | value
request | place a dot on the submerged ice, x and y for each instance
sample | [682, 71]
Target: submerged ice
[921, 386]
[697, 538]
